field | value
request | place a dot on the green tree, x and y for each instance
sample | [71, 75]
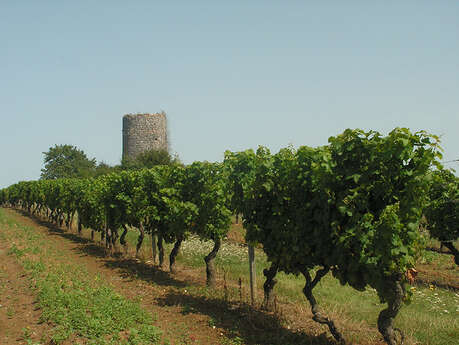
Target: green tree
[103, 169]
[149, 159]
[66, 161]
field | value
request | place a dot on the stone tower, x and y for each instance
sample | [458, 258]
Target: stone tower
[143, 132]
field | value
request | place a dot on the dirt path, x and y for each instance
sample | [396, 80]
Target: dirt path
[19, 316]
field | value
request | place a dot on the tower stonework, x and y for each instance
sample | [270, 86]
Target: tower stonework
[144, 132]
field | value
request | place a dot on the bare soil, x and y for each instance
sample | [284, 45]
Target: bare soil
[19, 315]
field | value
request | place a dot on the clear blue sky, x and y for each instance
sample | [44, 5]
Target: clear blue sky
[229, 76]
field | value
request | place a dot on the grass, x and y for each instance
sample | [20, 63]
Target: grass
[436, 244]
[81, 307]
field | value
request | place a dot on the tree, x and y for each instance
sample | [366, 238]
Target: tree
[149, 159]
[66, 161]
[103, 169]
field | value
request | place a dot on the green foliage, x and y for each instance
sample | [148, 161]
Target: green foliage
[442, 214]
[379, 189]
[443, 211]
[353, 206]
[204, 186]
[90, 209]
[239, 170]
[168, 212]
[116, 196]
[66, 161]
[149, 159]
[103, 169]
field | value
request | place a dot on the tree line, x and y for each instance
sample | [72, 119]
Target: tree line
[67, 161]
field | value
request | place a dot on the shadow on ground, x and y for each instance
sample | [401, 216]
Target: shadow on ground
[241, 321]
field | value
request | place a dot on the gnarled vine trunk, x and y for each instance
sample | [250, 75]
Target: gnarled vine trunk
[80, 227]
[53, 217]
[453, 250]
[318, 316]
[60, 219]
[114, 239]
[268, 286]
[67, 221]
[123, 239]
[386, 317]
[108, 240]
[139, 240]
[173, 255]
[210, 264]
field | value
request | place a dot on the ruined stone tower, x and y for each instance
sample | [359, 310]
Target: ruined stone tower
[143, 132]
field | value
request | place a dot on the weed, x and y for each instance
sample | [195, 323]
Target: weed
[233, 341]
[212, 322]
[10, 312]
[26, 334]
[14, 250]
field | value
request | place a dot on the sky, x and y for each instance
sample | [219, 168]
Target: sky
[230, 75]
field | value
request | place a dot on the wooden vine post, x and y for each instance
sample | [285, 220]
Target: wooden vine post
[252, 273]
[154, 243]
